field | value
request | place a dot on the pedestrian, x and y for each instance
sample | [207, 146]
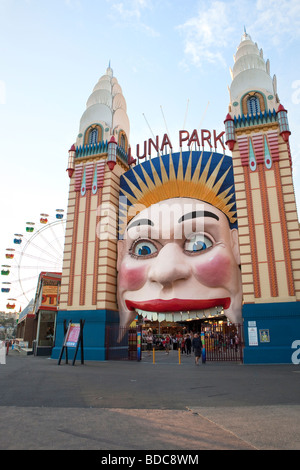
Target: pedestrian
[197, 345]
[182, 345]
[236, 342]
[188, 345]
[149, 341]
[167, 344]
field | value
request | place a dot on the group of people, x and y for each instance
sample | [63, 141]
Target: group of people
[186, 343]
[220, 341]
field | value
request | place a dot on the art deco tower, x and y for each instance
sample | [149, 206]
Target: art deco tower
[96, 161]
[257, 132]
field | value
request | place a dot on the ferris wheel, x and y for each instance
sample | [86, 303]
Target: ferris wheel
[39, 248]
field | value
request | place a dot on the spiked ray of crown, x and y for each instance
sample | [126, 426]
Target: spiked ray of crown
[165, 183]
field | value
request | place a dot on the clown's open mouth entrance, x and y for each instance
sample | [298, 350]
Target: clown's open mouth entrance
[221, 339]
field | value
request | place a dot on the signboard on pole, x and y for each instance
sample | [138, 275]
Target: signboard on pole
[72, 335]
[73, 338]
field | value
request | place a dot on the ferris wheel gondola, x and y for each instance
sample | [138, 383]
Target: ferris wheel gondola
[5, 271]
[5, 289]
[11, 306]
[30, 227]
[18, 239]
[59, 214]
[10, 253]
[44, 218]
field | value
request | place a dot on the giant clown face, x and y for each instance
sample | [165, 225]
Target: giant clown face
[179, 255]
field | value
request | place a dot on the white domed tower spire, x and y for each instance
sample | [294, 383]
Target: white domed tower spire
[106, 114]
[251, 74]
[257, 133]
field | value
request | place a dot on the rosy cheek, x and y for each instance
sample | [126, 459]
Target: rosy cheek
[131, 278]
[214, 271]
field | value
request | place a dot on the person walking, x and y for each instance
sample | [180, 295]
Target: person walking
[197, 346]
[167, 344]
[188, 345]
[149, 343]
[182, 345]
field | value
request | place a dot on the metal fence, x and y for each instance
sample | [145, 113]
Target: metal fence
[223, 343]
[121, 343]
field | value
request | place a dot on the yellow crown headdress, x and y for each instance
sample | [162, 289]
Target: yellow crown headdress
[204, 176]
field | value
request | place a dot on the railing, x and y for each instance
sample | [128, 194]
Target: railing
[258, 118]
[101, 147]
[225, 344]
[121, 343]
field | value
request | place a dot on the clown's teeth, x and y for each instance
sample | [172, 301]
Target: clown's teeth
[181, 316]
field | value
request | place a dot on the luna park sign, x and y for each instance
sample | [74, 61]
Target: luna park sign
[198, 138]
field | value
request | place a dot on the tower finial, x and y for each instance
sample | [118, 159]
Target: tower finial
[245, 35]
[109, 70]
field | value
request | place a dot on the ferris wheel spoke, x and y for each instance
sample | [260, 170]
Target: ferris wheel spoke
[57, 241]
[20, 292]
[43, 250]
[43, 260]
[30, 278]
[14, 281]
[51, 246]
[43, 267]
[27, 292]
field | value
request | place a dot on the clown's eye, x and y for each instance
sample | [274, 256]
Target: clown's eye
[197, 243]
[144, 248]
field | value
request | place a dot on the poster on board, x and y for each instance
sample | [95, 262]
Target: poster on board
[72, 335]
[252, 335]
[73, 339]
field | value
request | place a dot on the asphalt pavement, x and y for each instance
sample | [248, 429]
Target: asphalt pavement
[169, 405]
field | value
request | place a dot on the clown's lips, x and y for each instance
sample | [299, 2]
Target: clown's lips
[177, 305]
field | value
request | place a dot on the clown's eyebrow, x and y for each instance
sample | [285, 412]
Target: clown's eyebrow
[140, 222]
[194, 214]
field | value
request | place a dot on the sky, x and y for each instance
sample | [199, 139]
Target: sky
[171, 59]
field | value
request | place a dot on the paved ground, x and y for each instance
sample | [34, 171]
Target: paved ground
[133, 406]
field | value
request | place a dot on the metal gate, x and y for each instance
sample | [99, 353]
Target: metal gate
[223, 342]
[126, 349]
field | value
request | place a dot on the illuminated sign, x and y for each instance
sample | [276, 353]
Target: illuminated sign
[49, 296]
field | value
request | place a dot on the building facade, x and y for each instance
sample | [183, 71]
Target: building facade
[257, 134]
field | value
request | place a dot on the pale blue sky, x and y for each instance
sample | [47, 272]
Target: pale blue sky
[163, 53]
